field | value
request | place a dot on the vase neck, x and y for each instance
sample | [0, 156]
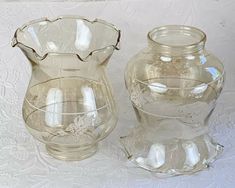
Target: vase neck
[176, 40]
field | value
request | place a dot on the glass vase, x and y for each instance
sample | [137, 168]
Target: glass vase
[68, 105]
[173, 86]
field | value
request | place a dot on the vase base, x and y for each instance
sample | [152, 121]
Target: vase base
[171, 157]
[71, 153]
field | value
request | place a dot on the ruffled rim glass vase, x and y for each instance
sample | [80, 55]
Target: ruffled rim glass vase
[173, 86]
[68, 105]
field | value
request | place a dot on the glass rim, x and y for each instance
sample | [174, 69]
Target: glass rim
[115, 46]
[192, 29]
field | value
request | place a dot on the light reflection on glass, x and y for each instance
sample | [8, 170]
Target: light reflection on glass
[89, 101]
[192, 154]
[165, 59]
[202, 59]
[34, 36]
[214, 72]
[158, 87]
[53, 116]
[156, 156]
[190, 57]
[199, 89]
[51, 46]
[83, 36]
[42, 23]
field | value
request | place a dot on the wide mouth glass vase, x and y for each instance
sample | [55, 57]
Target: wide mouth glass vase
[173, 86]
[68, 105]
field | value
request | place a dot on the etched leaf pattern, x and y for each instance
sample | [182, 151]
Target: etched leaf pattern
[135, 94]
[80, 125]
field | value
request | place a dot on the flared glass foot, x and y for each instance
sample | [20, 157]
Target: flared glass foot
[170, 157]
[71, 153]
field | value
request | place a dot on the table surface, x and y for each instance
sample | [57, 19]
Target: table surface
[24, 161]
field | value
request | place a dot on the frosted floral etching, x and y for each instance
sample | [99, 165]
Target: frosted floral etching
[136, 95]
[80, 125]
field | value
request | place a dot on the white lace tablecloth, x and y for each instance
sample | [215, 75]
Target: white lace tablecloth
[24, 161]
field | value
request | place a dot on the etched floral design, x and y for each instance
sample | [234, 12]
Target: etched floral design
[81, 124]
[136, 95]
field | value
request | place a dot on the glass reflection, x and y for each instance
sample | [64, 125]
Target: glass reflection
[199, 89]
[214, 72]
[192, 154]
[89, 101]
[34, 36]
[54, 106]
[83, 36]
[158, 87]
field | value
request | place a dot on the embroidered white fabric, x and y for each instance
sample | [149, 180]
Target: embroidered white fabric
[24, 161]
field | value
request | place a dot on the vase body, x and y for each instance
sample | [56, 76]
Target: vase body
[173, 86]
[68, 104]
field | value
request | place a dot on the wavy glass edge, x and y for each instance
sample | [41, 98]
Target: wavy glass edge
[115, 46]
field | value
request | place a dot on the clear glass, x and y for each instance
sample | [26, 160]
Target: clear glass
[173, 85]
[68, 105]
